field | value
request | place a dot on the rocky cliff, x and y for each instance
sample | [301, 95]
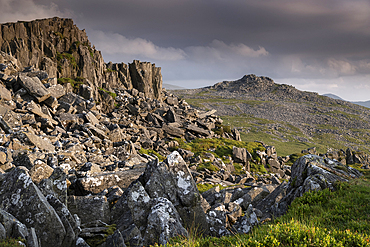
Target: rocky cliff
[62, 50]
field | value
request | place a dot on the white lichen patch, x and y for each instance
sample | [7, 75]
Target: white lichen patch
[140, 195]
[184, 182]
[93, 181]
[15, 198]
[174, 159]
[26, 180]
[61, 185]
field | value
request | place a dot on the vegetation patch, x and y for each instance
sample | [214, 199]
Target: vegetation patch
[114, 95]
[75, 83]
[319, 218]
[151, 152]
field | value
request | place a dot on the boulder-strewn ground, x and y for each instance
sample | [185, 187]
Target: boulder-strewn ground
[89, 157]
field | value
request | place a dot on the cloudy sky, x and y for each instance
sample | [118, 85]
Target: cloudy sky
[314, 45]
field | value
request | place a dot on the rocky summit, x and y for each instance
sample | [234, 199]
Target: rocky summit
[96, 154]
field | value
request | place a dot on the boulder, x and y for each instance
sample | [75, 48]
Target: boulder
[172, 180]
[34, 87]
[164, 223]
[22, 198]
[312, 172]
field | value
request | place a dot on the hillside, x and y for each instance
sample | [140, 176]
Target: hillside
[286, 117]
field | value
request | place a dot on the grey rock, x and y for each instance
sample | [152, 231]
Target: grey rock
[163, 223]
[34, 87]
[146, 78]
[172, 180]
[115, 240]
[32, 239]
[20, 197]
[312, 172]
[2, 232]
[89, 208]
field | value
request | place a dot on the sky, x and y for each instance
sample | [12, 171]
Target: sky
[315, 45]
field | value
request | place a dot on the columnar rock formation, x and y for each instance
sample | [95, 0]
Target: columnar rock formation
[62, 50]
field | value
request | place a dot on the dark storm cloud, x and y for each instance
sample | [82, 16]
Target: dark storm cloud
[317, 44]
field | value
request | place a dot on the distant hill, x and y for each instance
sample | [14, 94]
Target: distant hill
[284, 116]
[361, 103]
[333, 96]
[171, 87]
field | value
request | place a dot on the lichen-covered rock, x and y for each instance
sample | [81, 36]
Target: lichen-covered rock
[20, 197]
[246, 222]
[172, 180]
[89, 208]
[312, 172]
[163, 223]
[130, 213]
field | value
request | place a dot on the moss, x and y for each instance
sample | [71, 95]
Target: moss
[152, 152]
[238, 169]
[59, 35]
[67, 56]
[75, 83]
[114, 95]
[110, 70]
[11, 242]
[207, 165]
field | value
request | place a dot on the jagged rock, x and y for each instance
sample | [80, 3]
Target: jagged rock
[100, 181]
[312, 172]
[172, 179]
[57, 91]
[236, 135]
[115, 240]
[197, 130]
[20, 197]
[173, 131]
[41, 143]
[244, 224]
[241, 155]
[89, 208]
[146, 78]
[2, 232]
[163, 223]
[34, 87]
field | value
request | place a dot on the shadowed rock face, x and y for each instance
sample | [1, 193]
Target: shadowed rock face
[59, 47]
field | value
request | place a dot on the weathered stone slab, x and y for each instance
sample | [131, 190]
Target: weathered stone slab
[34, 87]
[104, 180]
[41, 143]
[89, 208]
[5, 94]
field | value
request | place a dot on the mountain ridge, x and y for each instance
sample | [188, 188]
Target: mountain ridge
[310, 114]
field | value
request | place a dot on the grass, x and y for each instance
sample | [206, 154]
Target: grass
[75, 83]
[67, 56]
[320, 218]
[151, 153]
[222, 148]
[114, 95]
